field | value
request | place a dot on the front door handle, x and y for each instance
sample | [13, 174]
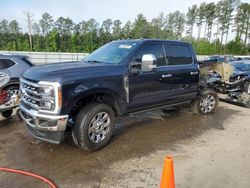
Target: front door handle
[166, 75]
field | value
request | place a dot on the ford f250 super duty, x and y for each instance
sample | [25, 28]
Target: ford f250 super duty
[120, 78]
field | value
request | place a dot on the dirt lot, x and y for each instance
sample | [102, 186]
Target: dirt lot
[209, 151]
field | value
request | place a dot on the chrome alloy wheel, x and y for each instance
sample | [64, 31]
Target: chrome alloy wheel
[13, 93]
[13, 97]
[207, 103]
[99, 127]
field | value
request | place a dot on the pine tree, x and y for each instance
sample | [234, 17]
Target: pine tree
[191, 19]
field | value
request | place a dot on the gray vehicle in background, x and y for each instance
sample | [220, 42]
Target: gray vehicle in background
[11, 68]
[222, 58]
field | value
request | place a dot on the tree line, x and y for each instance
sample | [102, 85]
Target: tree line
[214, 23]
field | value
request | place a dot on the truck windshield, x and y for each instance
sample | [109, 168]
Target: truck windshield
[112, 53]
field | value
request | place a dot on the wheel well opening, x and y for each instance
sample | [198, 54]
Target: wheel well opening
[101, 98]
[10, 85]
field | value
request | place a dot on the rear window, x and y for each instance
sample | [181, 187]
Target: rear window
[6, 63]
[178, 54]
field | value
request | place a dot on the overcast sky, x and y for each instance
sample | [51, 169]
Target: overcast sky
[79, 10]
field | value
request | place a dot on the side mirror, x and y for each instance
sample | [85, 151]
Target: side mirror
[148, 63]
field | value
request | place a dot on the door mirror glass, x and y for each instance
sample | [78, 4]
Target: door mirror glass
[148, 63]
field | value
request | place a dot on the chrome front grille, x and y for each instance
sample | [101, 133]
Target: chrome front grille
[30, 94]
[42, 96]
[30, 101]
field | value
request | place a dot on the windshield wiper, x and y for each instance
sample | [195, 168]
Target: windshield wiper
[94, 61]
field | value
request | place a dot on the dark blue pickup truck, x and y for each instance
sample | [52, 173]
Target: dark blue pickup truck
[120, 78]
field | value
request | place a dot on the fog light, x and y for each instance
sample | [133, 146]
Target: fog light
[52, 123]
[47, 123]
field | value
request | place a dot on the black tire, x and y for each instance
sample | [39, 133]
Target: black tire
[80, 130]
[197, 106]
[17, 116]
[7, 114]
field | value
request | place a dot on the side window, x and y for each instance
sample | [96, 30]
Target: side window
[155, 49]
[6, 63]
[178, 54]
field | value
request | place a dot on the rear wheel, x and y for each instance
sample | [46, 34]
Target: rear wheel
[206, 103]
[94, 126]
[245, 96]
[13, 92]
[246, 87]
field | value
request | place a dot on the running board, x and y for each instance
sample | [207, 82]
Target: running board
[156, 108]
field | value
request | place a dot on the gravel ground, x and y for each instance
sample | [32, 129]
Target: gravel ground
[209, 151]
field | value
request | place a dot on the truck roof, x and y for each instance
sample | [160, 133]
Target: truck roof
[151, 40]
[13, 55]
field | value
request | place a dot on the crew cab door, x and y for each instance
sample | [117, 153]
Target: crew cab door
[148, 89]
[183, 68]
[174, 80]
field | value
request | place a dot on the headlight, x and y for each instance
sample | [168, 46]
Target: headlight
[47, 90]
[47, 97]
[51, 97]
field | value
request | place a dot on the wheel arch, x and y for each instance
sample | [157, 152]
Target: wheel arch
[11, 83]
[101, 95]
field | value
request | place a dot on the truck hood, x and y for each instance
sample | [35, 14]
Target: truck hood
[69, 71]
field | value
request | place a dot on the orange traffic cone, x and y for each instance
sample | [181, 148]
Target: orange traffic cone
[167, 178]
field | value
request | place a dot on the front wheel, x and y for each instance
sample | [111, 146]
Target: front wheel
[206, 103]
[94, 126]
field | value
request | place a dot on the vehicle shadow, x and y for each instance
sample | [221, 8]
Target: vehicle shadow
[7, 125]
[158, 129]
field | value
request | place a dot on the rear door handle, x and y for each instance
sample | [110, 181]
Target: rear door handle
[193, 73]
[166, 75]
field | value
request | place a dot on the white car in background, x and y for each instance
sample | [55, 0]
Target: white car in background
[11, 69]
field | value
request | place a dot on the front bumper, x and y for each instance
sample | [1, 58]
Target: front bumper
[44, 127]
